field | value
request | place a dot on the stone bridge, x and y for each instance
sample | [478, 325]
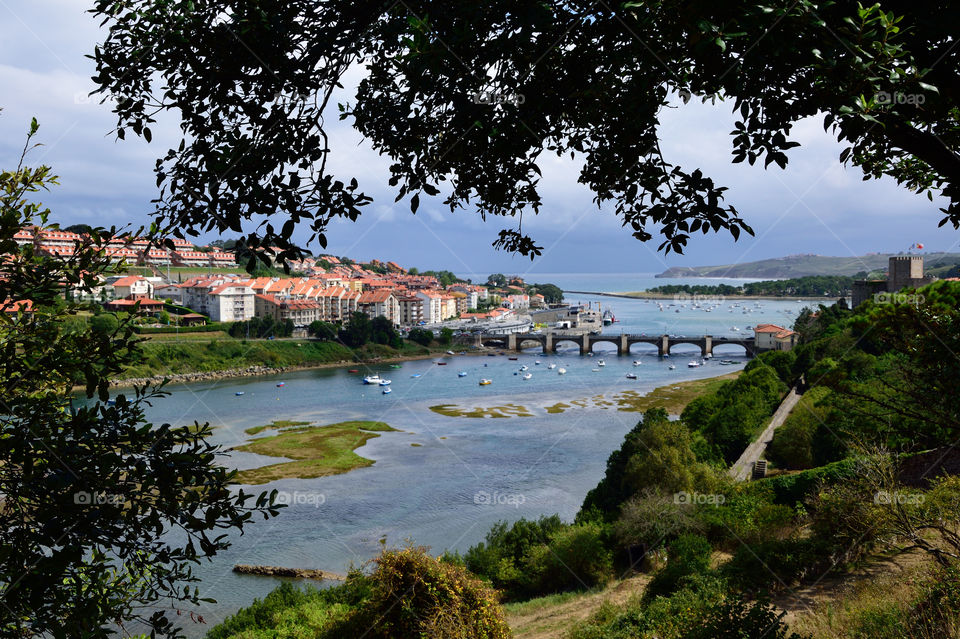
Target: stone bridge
[549, 342]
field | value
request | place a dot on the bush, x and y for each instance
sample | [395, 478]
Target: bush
[793, 443]
[771, 564]
[414, 595]
[794, 489]
[408, 594]
[500, 557]
[735, 619]
[576, 557]
[687, 555]
[652, 519]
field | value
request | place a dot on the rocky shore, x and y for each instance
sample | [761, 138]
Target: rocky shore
[206, 376]
[280, 571]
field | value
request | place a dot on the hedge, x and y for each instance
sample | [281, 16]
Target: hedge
[789, 490]
[202, 328]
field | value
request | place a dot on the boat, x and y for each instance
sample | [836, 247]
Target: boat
[693, 364]
[491, 354]
[561, 371]
[372, 379]
[280, 384]
[601, 363]
[672, 367]
[631, 376]
[441, 363]
[528, 376]
[708, 356]
[595, 370]
[462, 374]
[536, 363]
[727, 362]
[386, 391]
[238, 393]
[416, 375]
[524, 367]
[636, 362]
[394, 365]
[450, 353]
[353, 370]
[385, 382]
[486, 382]
[551, 366]
[512, 359]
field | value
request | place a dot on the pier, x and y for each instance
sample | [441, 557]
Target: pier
[624, 342]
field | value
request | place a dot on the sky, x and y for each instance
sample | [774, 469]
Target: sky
[814, 206]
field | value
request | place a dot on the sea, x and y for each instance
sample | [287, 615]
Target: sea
[442, 481]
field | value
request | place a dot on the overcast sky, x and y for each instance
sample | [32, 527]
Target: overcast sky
[814, 206]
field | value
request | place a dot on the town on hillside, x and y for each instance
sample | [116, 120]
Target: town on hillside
[324, 288]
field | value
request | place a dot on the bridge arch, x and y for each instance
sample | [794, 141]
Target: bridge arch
[696, 343]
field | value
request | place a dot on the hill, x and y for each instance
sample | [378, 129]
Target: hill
[802, 265]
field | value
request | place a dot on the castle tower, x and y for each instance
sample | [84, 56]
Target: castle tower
[905, 271]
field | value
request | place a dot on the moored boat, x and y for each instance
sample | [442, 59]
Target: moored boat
[485, 381]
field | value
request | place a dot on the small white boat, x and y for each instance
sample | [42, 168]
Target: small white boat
[693, 364]
[596, 370]
[708, 356]
[528, 376]
[238, 393]
[636, 362]
[561, 371]
[551, 366]
[387, 391]
[372, 379]
[524, 367]
[631, 376]
[601, 363]
[536, 363]
[385, 382]
[672, 367]
[462, 374]
[450, 353]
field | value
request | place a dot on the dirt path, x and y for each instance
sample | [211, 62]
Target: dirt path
[742, 468]
[552, 621]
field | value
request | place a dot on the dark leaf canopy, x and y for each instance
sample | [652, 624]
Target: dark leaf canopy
[465, 98]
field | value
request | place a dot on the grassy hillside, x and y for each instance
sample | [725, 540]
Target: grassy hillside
[800, 265]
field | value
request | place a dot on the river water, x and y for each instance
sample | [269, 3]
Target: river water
[467, 473]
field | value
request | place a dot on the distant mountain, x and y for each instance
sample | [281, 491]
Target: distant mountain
[802, 265]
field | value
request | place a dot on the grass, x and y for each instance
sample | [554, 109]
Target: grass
[276, 425]
[185, 336]
[507, 410]
[316, 451]
[673, 398]
[212, 354]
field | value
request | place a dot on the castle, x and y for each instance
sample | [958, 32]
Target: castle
[905, 271]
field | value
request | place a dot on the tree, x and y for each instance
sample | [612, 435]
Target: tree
[446, 336]
[323, 330]
[413, 271]
[91, 489]
[552, 294]
[497, 280]
[566, 78]
[421, 336]
[358, 330]
[382, 331]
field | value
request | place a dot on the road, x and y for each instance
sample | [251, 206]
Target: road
[743, 467]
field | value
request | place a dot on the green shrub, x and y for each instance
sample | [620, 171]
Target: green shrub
[414, 595]
[576, 557]
[421, 336]
[735, 618]
[772, 564]
[687, 555]
[794, 489]
[782, 363]
[408, 594]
